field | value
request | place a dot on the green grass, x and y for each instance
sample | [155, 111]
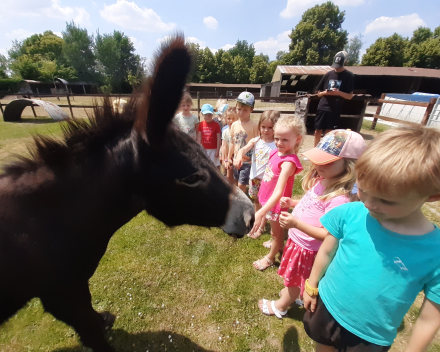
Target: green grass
[189, 284]
[380, 127]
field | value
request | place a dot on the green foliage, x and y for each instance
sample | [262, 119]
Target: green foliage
[116, 58]
[78, 52]
[9, 85]
[353, 48]
[241, 70]
[196, 52]
[25, 67]
[3, 66]
[386, 52]
[420, 35]
[280, 55]
[207, 66]
[243, 49]
[226, 68]
[317, 37]
[106, 89]
[264, 57]
[259, 72]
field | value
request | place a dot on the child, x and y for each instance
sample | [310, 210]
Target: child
[220, 115]
[328, 183]
[230, 117]
[261, 146]
[278, 182]
[187, 121]
[209, 134]
[381, 252]
[242, 131]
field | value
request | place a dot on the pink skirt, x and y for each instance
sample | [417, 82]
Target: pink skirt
[296, 265]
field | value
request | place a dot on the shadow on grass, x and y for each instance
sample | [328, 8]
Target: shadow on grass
[296, 313]
[290, 340]
[41, 120]
[151, 341]
[366, 136]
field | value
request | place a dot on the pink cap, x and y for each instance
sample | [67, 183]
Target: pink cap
[335, 145]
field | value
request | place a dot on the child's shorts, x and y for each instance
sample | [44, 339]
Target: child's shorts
[272, 216]
[254, 188]
[324, 329]
[211, 155]
[242, 175]
[296, 265]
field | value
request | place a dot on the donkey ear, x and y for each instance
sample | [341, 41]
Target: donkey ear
[164, 90]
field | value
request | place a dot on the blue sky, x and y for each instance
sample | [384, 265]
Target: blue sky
[213, 24]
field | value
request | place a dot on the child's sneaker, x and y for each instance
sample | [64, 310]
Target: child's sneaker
[299, 302]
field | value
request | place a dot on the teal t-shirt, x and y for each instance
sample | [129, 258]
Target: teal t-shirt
[376, 274]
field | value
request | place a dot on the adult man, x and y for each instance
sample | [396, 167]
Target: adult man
[336, 84]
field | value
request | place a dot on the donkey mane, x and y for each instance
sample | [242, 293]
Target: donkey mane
[86, 136]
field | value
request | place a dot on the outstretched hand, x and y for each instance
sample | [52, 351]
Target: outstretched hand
[287, 220]
[286, 202]
[259, 216]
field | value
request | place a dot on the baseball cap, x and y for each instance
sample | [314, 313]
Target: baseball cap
[246, 98]
[339, 59]
[221, 110]
[335, 145]
[207, 109]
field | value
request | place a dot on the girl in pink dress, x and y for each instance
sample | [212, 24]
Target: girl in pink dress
[278, 182]
[329, 183]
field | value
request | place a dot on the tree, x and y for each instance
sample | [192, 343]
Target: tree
[226, 69]
[259, 72]
[264, 57]
[386, 52]
[317, 37]
[78, 51]
[196, 53]
[24, 67]
[243, 49]
[420, 35]
[423, 49]
[353, 48]
[280, 55]
[116, 58]
[3, 66]
[208, 67]
[241, 70]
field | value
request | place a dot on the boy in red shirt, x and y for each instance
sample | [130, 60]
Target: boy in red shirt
[208, 134]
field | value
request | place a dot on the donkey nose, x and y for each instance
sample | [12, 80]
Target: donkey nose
[249, 219]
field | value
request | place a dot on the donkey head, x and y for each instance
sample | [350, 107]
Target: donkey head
[180, 185]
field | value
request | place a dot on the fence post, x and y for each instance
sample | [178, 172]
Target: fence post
[428, 111]
[70, 106]
[1, 108]
[198, 105]
[379, 107]
[33, 110]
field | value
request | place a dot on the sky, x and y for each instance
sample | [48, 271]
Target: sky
[213, 24]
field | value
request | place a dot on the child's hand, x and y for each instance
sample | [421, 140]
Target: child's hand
[287, 220]
[238, 162]
[286, 202]
[259, 216]
[309, 302]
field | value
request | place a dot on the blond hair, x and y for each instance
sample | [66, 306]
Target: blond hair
[271, 115]
[296, 124]
[230, 111]
[400, 160]
[186, 98]
[341, 185]
[219, 103]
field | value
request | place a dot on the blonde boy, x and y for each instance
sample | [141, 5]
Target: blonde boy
[381, 252]
[187, 121]
[242, 131]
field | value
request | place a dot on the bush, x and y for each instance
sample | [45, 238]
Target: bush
[9, 85]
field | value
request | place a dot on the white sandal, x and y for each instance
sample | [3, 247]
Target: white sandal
[276, 312]
[261, 267]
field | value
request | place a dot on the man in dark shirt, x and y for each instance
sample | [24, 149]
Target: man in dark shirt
[336, 84]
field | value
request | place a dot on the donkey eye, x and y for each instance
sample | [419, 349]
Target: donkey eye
[193, 179]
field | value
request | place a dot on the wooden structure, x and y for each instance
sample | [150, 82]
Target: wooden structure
[14, 109]
[352, 113]
[217, 90]
[428, 105]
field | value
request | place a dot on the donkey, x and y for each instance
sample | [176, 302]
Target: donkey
[60, 206]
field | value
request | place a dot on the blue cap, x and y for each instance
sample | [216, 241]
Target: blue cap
[221, 110]
[207, 109]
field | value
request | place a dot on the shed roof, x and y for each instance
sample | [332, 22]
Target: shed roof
[225, 85]
[360, 71]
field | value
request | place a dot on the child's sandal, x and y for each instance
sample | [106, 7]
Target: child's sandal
[259, 266]
[267, 244]
[256, 234]
[276, 312]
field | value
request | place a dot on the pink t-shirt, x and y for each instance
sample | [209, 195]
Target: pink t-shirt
[310, 209]
[271, 175]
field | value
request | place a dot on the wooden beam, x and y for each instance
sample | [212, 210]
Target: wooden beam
[397, 102]
[379, 107]
[428, 111]
[390, 119]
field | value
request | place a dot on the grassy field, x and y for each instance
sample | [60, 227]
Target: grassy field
[181, 289]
